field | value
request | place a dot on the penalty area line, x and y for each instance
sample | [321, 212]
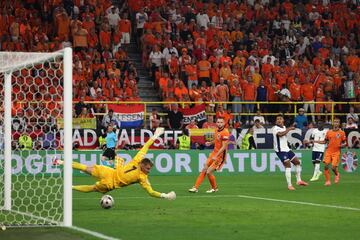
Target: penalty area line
[250, 197]
[93, 233]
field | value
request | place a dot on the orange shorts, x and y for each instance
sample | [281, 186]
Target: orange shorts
[332, 157]
[217, 163]
[105, 175]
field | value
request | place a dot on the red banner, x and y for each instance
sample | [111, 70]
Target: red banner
[197, 112]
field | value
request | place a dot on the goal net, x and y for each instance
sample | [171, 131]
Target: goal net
[35, 91]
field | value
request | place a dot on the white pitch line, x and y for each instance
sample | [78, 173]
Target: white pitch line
[251, 197]
[93, 233]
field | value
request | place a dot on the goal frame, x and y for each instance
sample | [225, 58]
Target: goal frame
[67, 151]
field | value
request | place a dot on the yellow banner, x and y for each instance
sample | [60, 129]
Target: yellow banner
[208, 133]
[79, 123]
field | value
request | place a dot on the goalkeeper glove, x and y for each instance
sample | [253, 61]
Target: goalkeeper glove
[169, 196]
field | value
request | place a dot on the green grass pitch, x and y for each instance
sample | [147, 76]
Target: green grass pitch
[227, 214]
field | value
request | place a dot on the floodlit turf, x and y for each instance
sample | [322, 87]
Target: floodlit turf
[228, 214]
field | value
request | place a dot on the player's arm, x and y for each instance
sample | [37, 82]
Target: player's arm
[223, 148]
[209, 143]
[343, 141]
[146, 185]
[283, 133]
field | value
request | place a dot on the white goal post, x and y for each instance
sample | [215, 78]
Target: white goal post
[34, 197]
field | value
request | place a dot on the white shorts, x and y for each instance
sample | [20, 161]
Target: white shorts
[125, 39]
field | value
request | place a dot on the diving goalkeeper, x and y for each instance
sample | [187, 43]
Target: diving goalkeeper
[136, 171]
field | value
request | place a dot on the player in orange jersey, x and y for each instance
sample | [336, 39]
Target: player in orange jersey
[216, 159]
[336, 139]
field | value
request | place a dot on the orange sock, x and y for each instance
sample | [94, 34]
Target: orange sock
[327, 174]
[200, 179]
[212, 181]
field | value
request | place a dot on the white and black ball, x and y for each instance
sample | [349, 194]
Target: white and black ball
[107, 202]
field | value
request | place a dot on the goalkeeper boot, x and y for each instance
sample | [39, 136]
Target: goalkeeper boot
[56, 161]
[158, 132]
[193, 190]
[212, 190]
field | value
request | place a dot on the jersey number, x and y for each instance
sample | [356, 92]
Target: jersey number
[131, 169]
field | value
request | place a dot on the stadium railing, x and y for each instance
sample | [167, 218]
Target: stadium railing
[294, 107]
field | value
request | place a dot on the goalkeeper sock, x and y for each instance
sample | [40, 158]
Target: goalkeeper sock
[200, 179]
[288, 176]
[79, 166]
[84, 188]
[212, 181]
[298, 172]
[327, 175]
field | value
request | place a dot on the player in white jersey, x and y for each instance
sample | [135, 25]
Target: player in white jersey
[284, 153]
[316, 139]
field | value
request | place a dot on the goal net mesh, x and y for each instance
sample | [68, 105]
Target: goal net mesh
[37, 104]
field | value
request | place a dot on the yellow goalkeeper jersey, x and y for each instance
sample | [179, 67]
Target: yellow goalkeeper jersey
[131, 173]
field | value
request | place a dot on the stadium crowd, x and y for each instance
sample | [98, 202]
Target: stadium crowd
[230, 51]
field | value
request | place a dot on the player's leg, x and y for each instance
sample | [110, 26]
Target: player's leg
[142, 152]
[75, 165]
[85, 188]
[327, 161]
[199, 180]
[316, 159]
[202, 175]
[212, 179]
[334, 166]
[283, 156]
[298, 169]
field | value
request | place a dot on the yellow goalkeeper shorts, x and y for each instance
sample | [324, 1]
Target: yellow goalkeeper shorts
[105, 175]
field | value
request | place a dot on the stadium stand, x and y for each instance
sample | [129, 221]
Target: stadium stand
[202, 51]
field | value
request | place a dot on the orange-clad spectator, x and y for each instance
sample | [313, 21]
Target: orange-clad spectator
[163, 81]
[281, 77]
[233, 76]
[353, 61]
[225, 58]
[236, 34]
[237, 95]
[192, 125]
[209, 123]
[256, 76]
[295, 90]
[80, 38]
[173, 64]
[63, 25]
[215, 73]
[195, 93]
[267, 67]
[105, 36]
[168, 89]
[239, 59]
[93, 39]
[192, 77]
[125, 29]
[320, 97]
[288, 6]
[180, 90]
[249, 96]
[222, 91]
[225, 71]
[204, 67]
[114, 70]
[307, 94]
[88, 23]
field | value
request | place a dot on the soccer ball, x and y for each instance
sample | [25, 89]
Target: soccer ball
[107, 201]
